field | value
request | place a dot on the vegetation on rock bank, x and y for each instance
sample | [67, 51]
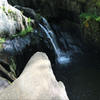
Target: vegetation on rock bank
[96, 2]
[22, 33]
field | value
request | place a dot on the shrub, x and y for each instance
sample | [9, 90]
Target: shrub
[89, 16]
[27, 30]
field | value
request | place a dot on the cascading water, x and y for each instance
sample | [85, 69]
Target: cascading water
[61, 56]
[48, 34]
[80, 76]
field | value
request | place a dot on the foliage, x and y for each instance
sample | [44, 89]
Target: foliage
[22, 33]
[38, 16]
[27, 30]
[97, 2]
[22, 12]
[9, 10]
[4, 9]
[89, 16]
[98, 19]
[86, 23]
[92, 21]
[2, 40]
[13, 67]
[1, 47]
[29, 21]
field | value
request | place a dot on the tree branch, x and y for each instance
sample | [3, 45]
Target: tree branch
[8, 74]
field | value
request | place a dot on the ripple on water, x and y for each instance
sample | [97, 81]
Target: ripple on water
[77, 96]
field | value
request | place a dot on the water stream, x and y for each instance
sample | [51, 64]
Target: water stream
[79, 72]
[61, 56]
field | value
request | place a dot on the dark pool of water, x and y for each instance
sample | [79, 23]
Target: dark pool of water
[81, 76]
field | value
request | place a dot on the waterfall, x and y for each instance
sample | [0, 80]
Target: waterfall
[51, 39]
[61, 57]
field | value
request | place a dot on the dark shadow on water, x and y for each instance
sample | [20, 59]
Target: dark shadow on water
[81, 77]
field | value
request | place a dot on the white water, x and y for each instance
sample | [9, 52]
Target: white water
[61, 56]
[48, 34]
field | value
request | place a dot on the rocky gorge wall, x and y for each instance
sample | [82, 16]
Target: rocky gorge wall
[68, 12]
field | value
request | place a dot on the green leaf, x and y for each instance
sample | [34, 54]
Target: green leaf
[4, 8]
[9, 10]
[2, 40]
[98, 19]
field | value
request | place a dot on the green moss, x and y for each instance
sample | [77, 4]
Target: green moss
[13, 67]
[27, 30]
[1, 47]
[38, 16]
[97, 2]
[91, 23]
[2, 40]
[29, 21]
[9, 10]
[15, 19]
[22, 33]
[22, 12]
[4, 9]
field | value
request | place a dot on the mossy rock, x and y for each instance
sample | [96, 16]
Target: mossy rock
[1, 47]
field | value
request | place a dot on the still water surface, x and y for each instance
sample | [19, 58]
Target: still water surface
[81, 76]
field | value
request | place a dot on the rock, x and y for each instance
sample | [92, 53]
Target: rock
[37, 81]
[27, 11]
[11, 20]
[3, 84]
[25, 3]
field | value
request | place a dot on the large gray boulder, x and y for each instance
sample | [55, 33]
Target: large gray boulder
[37, 81]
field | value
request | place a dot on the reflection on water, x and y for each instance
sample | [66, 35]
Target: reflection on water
[81, 77]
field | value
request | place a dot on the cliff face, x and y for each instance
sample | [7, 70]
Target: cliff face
[50, 8]
[69, 11]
